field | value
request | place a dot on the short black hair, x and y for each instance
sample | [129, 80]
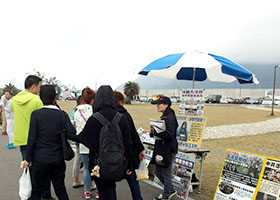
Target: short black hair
[11, 93]
[31, 80]
[47, 94]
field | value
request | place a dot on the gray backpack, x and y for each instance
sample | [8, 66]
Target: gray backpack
[111, 158]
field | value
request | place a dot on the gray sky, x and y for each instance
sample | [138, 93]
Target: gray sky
[107, 42]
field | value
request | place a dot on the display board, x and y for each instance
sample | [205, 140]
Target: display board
[270, 183]
[182, 173]
[191, 102]
[248, 176]
[190, 131]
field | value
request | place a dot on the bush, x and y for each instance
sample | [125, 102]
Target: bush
[127, 101]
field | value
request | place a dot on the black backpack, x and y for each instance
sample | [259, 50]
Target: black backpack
[111, 158]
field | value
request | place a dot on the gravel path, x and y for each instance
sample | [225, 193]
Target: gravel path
[226, 131]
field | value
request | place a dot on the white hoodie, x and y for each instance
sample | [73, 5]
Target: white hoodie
[8, 109]
[81, 115]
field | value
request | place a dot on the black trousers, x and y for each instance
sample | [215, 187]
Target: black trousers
[39, 175]
[47, 188]
[105, 189]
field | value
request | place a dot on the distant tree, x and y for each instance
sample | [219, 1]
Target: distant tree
[131, 89]
[51, 80]
[12, 88]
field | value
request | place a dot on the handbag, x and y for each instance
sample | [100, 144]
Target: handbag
[142, 173]
[67, 150]
[25, 186]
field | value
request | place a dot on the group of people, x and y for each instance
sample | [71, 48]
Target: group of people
[38, 122]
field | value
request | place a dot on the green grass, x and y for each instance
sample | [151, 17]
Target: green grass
[216, 115]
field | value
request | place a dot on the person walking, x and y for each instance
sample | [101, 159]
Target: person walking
[9, 118]
[44, 148]
[23, 104]
[166, 147]
[137, 149]
[104, 104]
[83, 112]
[4, 121]
[77, 159]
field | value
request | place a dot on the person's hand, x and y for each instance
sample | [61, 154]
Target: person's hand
[152, 130]
[142, 155]
[25, 164]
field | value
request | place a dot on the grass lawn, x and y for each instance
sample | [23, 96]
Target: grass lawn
[265, 144]
[216, 115]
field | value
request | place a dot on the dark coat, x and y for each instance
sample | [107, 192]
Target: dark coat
[105, 104]
[44, 141]
[137, 145]
[169, 136]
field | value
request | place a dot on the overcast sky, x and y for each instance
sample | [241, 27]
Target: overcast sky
[90, 43]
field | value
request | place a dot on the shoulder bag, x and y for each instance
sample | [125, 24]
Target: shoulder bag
[68, 152]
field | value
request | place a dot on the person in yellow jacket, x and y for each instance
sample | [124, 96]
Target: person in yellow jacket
[23, 104]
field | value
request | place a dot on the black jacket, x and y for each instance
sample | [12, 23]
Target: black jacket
[44, 142]
[106, 105]
[137, 145]
[169, 136]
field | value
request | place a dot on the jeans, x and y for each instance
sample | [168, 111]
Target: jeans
[47, 188]
[77, 163]
[164, 175]
[133, 185]
[39, 175]
[87, 179]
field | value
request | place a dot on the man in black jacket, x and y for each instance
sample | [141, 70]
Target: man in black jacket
[166, 147]
[44, 148]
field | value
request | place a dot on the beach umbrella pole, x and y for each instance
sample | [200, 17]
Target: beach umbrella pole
[194, 70]
[273, 93]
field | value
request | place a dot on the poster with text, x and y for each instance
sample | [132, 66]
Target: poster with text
[190, 131]
[182, 173]
[270, 184]
[191, 102]
[240, 176]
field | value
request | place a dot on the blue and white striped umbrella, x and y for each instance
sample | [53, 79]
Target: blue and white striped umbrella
[198, 66]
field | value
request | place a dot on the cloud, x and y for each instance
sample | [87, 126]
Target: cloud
[108, 41]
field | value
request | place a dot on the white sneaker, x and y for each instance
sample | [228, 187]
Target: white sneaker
[172, 194]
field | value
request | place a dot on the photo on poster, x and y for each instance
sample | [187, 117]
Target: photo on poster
[225, 188]
[183, 130]
[265, 196]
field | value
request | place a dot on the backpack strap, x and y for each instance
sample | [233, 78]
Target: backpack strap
[104, 121]
[100, 118]
[117, 118]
